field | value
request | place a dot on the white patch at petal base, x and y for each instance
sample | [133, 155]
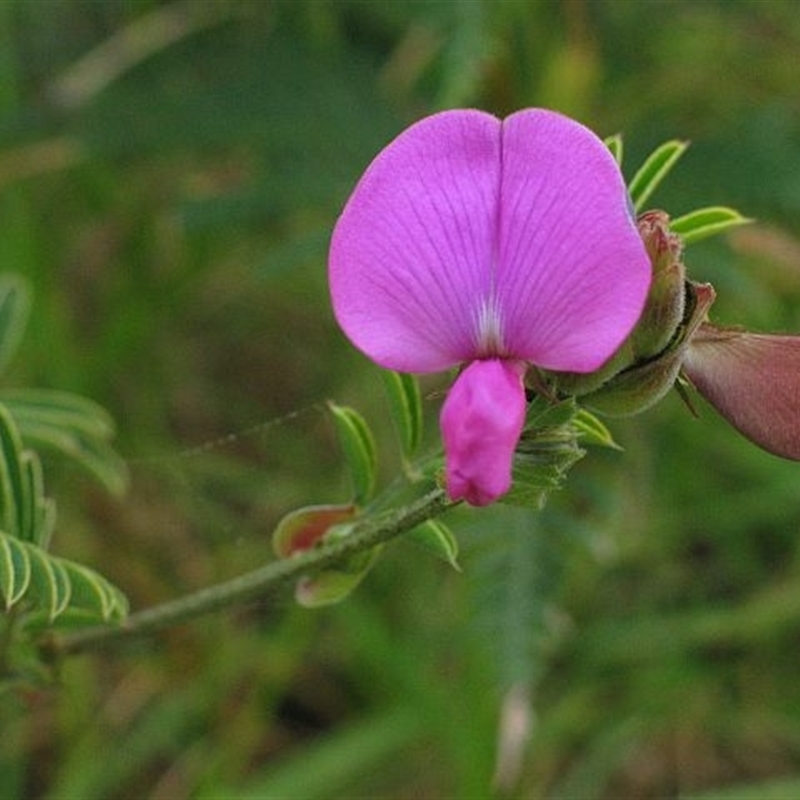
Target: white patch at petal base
[489, 325]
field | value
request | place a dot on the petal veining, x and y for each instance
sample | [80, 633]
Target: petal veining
[412, 252]
[489, 330]
[572, 274]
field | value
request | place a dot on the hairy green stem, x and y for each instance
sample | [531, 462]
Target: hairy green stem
[253, 585]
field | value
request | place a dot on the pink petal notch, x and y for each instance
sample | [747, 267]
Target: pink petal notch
[753, 380]
[482, 419]
[573, 272]
[411, 254]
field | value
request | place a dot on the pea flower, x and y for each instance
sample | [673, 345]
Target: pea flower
[493, 245]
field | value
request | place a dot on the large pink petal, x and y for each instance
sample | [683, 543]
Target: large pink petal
[573, 273]
[753, 380]
[411, 255]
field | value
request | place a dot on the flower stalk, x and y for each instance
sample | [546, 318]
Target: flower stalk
[255, 585]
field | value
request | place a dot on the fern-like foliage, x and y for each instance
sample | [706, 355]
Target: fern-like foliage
[50, 588]
[42, 585]
[37, 589]
[54, 420]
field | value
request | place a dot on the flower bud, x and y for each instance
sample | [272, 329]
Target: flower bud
[640, 386]
[664, 310]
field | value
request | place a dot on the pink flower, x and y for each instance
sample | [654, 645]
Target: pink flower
[492, 244]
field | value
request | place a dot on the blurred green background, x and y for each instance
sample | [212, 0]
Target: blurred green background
[169, 176]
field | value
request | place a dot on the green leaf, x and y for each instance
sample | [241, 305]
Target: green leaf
[14, 308]
[14, 489]
[25, 512]
[705, 222]
[592, 430]
[334, 585]
[543, 414]
[50, 587]
[615, 145]
[72, 425]
[61, 409]
[405, 402]
[358, 444]
[655, 168]
[41, 513]
[94, 594]
[437, 538]
[15, 570]
[326, 588]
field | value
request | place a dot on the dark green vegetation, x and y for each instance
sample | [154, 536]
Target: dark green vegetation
[169, 175]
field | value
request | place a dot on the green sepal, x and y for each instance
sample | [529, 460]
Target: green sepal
[438, 539]
[405, 403]
[705, 222]
[544, 414]
[592, 431]
[358, 445]
[655, 168]
[547, 449]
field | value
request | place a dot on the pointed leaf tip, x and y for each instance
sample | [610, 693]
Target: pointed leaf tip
[655, 168]
[616, 145]
[592, 431]
[706, 222]
[438, 539]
